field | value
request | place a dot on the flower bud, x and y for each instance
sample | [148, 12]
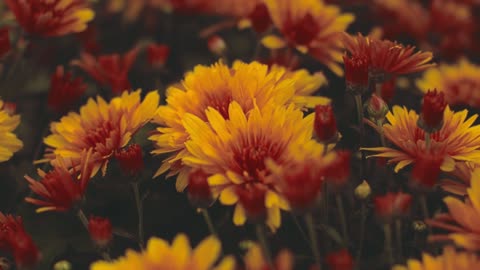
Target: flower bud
[157, 54]
[325, 125]
[199, 192]
[100, 230]
[130, 159]
[377, 108]
[392, 205]
[5, 45]
[340, 260]
[363, 190]
[433, 108]
[217, 45]
[356, 73]
[62, 265]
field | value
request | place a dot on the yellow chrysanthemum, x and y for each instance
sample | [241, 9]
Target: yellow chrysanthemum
[458, 138]
[104, 127]
[9, 143]
[309, 25]
[254, 259]
[160, 255]
[463, 219]
[459, 82]
[234, 150]
[217, 86]
[450, 259]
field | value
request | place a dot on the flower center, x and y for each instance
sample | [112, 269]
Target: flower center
[220, 102]
[104, 138]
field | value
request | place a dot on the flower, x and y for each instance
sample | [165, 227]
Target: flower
[160, 255]
[100, 126]
[325, 125]
[51, 17]
[217, 86]
[9, 143]
[377, 108]
[61, 188]
[100, 230]
[130, 159]
[15, 240]
[459, 82]
[387, 58]
[433, 108]
[217, 45]
[338, 170]
[463, 219]
[426, 169]
[64, 90]
[235, 149]
[340, 260]
[254, 259]
[309, 25]
[450, 259]
[392, 205]
[356, 73]
[363, 191]
[110, 69]
[199, 192]
[4, 41]
[457, 138]
[157, 54]
[464, 171]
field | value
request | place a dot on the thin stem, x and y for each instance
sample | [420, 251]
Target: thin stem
[209, 222]
[83, 218]
[300, 229]
[398, 232]
[313, 237]
[388, 242]
[423, 204]
[359, 106]
[382, 135]
[343, 220]
[139, 204]
[378, 89]
[363, 213]
[263, 242]
[427, 140]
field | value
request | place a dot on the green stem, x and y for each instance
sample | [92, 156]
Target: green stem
[398, 231]
[388, 242]
[139, 204]
[313, 237]
[343, 220]
[382, 135]
[423, 204]
[363, 213]
[209, 222]
[300, 229]
[263, 243]
[427, 140]
[359, 106]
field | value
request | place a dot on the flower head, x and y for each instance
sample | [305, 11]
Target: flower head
[130, 159]
[338, 170]
[254, 259]
[216, 87]
[4, 41]
[235, 151]
[111, 69]
[340, 260]
[64, 90]
[377, 108]
[460, 82]
[325, 124]
[9, 143]
[356, 72]
[311, 26]
[199, 192]
[61, 188]
[450, 259]
[103, 127]
[157, 54]
[392, 205]
[457, 138]
[363, 191]
[51, 17]
[161, 255]
[433, 108]
[464, 172]
[100, 230]
[15, 240]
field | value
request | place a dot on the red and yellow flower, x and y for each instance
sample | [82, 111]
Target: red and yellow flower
[160, 255]
[100, 126]
[51, 17]
[311, 26]
[450, 259]
[458, 138]
[254, 259]
[216, 87]
[9, 143]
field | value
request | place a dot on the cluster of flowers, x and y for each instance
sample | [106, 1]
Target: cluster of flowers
[254, 136]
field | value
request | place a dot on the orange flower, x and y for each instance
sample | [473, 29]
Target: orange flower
[254, 259]
[51, 17]
[309, 25]
[458, 138]
[450, 259]
[463, 172]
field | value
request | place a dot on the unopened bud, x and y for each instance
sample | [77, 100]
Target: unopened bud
[419, 226]
[363, 190]
[217, 45]
[62, 265]
[377, 108]
[433, 108]
[100, 230]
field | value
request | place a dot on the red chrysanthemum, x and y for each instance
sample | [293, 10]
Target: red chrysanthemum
[433, 109]
[51, 17]
[392, 204]
[157, 54]
[199, 192]
[130, 159]
[325, 124]
[64, 90]
[100, 230]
